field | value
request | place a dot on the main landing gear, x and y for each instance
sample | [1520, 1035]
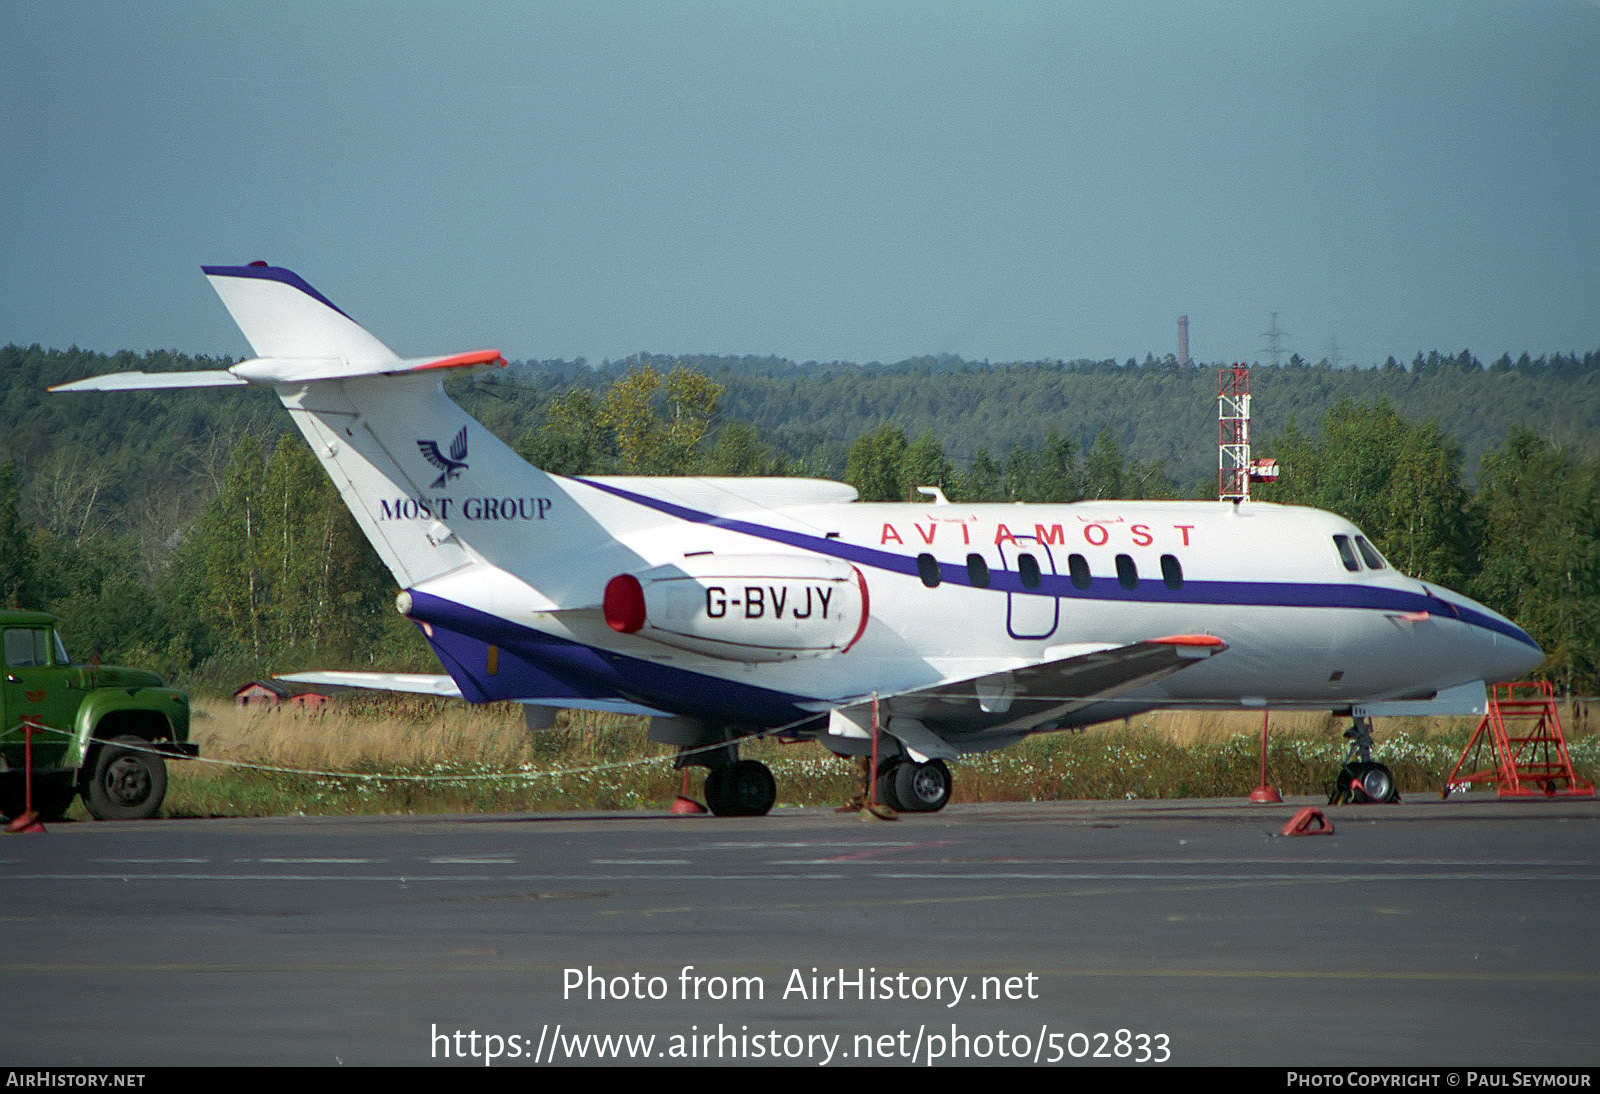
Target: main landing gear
[909, 787]
[734, 787]
[744, 788]
[1361, 779]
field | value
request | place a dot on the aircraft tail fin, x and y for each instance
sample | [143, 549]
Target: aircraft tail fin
[281, 315]
[432, 489]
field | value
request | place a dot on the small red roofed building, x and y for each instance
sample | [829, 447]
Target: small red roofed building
[272, 693]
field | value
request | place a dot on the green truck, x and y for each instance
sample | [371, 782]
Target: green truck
[105, 729]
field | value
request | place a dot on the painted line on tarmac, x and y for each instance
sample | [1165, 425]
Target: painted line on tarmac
[640, 862]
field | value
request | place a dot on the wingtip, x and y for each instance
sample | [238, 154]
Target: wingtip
[1209, 641]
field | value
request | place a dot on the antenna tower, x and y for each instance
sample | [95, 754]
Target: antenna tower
[1235, 469]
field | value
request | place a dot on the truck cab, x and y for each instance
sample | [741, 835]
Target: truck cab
[99, 731]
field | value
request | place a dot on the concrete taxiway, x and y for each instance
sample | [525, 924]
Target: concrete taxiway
[1460, 932]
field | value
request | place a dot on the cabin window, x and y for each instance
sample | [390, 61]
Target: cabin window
[928, 569]
[1347, 554]
[1369, 554]
[1171, 571]
[977, 572]
[1078, 568]
[1127, 572]
[1028, 570]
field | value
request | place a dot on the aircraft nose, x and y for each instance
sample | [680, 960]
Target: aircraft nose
[1507, 651]
[1515, 656]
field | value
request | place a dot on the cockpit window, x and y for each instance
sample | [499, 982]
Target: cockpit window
[1369, 554]
[1347, 553]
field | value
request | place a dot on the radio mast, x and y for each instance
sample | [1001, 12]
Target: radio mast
[1235, 468]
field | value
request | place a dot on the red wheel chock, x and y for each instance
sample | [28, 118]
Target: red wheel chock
[1308, 822]
[685, 806]
[27, 822]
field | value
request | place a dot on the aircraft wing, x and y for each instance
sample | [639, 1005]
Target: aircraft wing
[423, 683]
[418, 683]
[1014, 702]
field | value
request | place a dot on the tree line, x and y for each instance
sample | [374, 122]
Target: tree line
[250, 563]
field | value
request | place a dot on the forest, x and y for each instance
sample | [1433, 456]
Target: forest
[194, 533]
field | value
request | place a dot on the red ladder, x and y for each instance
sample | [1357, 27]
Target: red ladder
[1530, 750]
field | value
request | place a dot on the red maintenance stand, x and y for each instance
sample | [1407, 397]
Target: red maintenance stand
[1530, 751]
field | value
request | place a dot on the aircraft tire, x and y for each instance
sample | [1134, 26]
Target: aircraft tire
[922, 788]
[1363, 782]
[742, 789]
[886, 782]
[125, 784]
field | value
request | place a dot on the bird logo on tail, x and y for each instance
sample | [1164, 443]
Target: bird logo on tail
[450, 466]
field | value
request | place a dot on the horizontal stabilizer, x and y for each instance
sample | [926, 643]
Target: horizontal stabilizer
[270, 371]
[153, 381]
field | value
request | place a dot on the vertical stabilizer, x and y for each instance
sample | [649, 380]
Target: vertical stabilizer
[433, 490]
[282, 316]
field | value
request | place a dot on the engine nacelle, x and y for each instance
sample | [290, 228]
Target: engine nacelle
[744, 607]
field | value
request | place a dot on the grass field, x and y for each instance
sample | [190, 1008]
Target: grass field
[411, 755]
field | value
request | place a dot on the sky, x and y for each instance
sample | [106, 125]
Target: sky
[822, 181]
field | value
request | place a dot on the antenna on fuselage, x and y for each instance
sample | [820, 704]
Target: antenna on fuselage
[1235, 469]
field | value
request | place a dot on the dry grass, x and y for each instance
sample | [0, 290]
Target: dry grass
[460, 758]
[389, 733]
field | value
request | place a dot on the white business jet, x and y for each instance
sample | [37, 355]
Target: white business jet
[726, 607]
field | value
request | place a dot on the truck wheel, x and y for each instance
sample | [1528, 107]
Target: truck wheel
[125, 783]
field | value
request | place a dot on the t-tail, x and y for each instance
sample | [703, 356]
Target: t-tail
[435, 492]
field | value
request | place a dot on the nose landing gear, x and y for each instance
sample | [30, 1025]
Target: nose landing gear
[1361, 779]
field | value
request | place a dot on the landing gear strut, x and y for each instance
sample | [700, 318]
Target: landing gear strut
[1361, 779]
